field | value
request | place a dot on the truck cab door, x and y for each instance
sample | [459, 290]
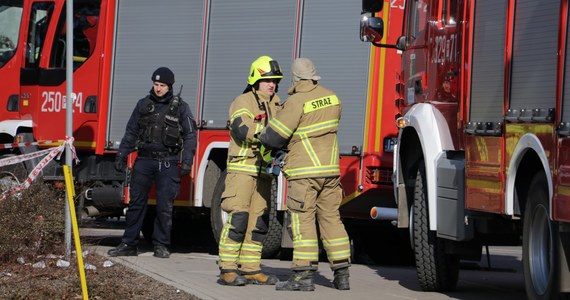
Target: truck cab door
[39, 19]
[49, 102]
[445, 54]
[415, 58]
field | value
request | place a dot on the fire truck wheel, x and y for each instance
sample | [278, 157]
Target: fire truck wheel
[540, 244]
[272, 242]
[12, 175]
[437, 271]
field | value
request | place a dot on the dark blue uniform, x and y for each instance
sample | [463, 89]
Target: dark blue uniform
[155, 163]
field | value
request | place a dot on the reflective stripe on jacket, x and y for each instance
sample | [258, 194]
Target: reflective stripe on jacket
[307, 124]
[247, 119]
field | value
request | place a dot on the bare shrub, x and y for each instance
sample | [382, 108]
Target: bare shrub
[32, 223]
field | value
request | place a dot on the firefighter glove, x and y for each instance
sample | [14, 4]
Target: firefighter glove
[185, 169]
[120, 163]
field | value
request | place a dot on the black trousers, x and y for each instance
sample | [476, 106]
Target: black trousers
[165, 175]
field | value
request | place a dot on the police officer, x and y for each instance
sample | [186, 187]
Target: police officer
[163, 130]
[248, 187]
[307, 126]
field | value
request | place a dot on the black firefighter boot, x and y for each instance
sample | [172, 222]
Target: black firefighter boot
[340, 281]
[299, 281]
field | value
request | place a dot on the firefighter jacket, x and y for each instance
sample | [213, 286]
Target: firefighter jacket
[307, 125]
[136, 137]
[249, 114]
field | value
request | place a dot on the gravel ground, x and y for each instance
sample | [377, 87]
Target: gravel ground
[23, 281]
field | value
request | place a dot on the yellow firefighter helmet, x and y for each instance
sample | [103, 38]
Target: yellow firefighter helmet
[264, 67]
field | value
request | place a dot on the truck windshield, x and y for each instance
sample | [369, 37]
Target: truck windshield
[10, 19]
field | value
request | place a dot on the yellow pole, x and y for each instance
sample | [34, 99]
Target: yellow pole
[70, 196]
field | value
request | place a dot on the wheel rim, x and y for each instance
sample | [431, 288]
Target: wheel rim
[540, 246]
[411, 227]
[224, 215]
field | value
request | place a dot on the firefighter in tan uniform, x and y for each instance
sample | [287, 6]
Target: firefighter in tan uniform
[248, 187]
[307, 126]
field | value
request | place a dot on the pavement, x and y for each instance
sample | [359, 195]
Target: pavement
[195, 272]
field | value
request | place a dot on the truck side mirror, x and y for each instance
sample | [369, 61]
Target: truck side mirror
[371, 29]
[372, 6]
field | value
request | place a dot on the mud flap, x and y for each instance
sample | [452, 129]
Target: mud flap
[403, 211]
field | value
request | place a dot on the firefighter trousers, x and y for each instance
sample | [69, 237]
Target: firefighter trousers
[310, 200]
[245, 199]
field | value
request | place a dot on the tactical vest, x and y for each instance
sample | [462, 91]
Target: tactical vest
[161, 127]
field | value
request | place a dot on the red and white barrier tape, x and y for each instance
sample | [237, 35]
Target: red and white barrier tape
[50, 154]
[27, 144]
[23, 157]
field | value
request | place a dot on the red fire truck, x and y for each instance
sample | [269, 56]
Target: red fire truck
[12, 29]
[209, 46]
[482, 151]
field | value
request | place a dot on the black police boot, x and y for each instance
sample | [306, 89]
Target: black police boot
[231, 278]
[161, 251]
[299, 281]
[123, 250]
[340, 281]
